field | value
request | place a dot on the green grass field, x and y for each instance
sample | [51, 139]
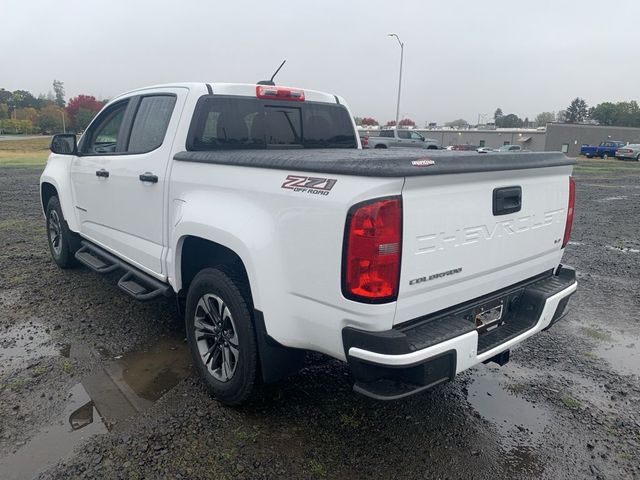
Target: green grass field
[598, 165]
[31, 152]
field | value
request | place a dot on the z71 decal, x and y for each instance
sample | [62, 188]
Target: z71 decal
[313, 185]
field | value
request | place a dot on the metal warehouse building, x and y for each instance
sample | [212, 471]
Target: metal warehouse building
[562, 137]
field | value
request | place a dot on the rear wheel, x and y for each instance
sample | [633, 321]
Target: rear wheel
[62, 241]
[221, 336]
[380, 146]
[605, 156]
[638, 158]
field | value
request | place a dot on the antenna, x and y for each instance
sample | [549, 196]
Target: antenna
[270, 81]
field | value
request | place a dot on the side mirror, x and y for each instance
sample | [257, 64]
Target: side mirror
[64, 144]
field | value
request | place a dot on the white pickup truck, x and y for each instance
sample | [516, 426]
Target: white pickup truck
[394, 137]
[255, 208]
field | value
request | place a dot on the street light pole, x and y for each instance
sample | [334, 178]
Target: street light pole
[64, 128]
[400, 79]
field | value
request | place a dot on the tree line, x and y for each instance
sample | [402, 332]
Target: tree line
[618, 114]
[21, 112]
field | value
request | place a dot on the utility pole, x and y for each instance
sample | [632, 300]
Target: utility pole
[400, 79]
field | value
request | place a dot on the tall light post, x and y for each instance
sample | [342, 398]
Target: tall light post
[400, 79]
[64, 127]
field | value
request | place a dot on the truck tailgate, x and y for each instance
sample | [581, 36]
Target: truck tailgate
[460, 241]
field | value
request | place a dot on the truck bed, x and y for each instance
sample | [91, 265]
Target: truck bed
[378, 163]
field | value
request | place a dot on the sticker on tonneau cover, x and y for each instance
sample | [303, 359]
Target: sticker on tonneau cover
[312, 185]
[423, 162]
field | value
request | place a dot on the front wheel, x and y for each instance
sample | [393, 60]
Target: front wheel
[62, 241]
[221, 336]
[605, 156]
[638, 158]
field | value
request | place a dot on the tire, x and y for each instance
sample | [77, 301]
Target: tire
[605, 156]
[221, 337]
[380, 146]
[63, 243]
[638, 158]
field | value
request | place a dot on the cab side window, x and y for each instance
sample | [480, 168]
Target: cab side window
[416, 136]
[104, 133]
[151, 122]
[403, 134]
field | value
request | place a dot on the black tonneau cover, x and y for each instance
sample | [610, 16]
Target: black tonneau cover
[378, 162]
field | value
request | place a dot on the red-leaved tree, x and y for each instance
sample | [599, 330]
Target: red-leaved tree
[407, 122]
[391, 123]
[86, 103]
[368, 121]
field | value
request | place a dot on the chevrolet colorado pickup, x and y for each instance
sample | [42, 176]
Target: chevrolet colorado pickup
[254, 207]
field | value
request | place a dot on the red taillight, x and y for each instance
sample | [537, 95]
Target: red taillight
[373, 240]
[280, 93]
[572, 201]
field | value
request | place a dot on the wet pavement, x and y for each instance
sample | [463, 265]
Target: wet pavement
[96, 385]
[122, 387]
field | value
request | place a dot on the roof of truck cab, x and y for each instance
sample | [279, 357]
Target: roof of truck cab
[237, 89]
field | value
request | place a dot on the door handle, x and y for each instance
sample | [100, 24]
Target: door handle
[507, 200]
[102, 173]
[148, 177]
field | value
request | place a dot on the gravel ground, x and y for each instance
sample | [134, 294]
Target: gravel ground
[96, 385]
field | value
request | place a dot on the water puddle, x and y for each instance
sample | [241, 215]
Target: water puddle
[622, 351]
[622, 249]
[79, 421]
[612, 199]
[122, 388]
[129, 384]
[22, 344]
[518, 421]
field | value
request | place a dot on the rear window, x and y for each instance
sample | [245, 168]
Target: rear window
[242, 123]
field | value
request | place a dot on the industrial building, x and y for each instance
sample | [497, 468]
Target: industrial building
[560, 137]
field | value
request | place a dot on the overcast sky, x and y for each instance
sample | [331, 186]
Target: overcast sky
[462, 58]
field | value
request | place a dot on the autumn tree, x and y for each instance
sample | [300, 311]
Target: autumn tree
[407, 122]
[390, 123]
[50, 120]
[82, 109]
[369, 122]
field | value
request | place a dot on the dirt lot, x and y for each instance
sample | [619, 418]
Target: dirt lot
[96, 385]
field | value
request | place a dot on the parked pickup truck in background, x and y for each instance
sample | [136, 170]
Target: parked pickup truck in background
[254, 207]
[402, 138]
[604, 150]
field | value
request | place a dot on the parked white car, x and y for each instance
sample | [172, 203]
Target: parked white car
[255, 208]
[629, 152]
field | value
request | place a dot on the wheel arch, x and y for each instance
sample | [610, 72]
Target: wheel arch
[47, 190]
[193, 253]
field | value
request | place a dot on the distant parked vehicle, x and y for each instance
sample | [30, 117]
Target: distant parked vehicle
[629, 152]
[464, 148]
[484, 150]
[510, 148]
[402, 138]
[604, 150]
